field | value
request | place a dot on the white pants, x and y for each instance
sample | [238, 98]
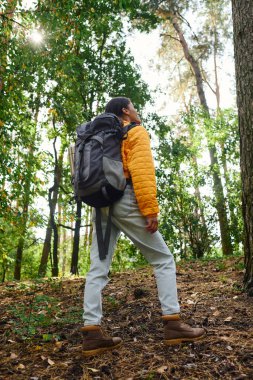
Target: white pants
[126, 217]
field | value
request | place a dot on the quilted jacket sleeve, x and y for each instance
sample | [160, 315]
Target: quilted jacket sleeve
[141, 168]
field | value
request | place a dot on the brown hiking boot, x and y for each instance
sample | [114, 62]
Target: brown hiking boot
[95, 342]
[175, 331]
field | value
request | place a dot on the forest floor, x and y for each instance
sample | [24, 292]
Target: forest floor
[40, 340]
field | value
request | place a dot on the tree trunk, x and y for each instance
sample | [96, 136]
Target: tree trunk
[217, 184]
[88, 228]
[87, 237]
[202, 236]
[26, 199]
[52, 205]
[21, 242]
[60, 229]
[6, 18]
[45, 252]
[52, 227]
[243, 45]
[233, 218]
[18, 260]
[217, 87]
[64, 248]
[74, 260]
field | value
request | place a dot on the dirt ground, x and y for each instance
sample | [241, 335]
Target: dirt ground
[40, 340]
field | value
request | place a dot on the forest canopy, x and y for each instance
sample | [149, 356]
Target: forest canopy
[60, 63]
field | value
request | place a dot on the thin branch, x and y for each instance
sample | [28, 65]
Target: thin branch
[177, 64]
[207, 82]
[71, 228]
[65, 191]
[12, 19]
[55, 151]
[34, 242]
[67, 227]
[169, 35]
[188, 24]
[36, 10]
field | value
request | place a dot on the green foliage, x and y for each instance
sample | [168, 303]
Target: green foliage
[188, 220]
[81, 61]
[36, 313]
[127, 256]
[39, 311]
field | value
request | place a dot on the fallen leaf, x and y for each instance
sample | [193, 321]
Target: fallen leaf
[162, 369]
[158, 357]
[43, 312]
[93, 369]
[229, 348]
[228, 319]
[190, 302]
[66, 364]
[226, 338]
[13, 356]
[43, 357]
[216, 313]
[50, 362]
[190, 365]
[20, 366]
[47, 337]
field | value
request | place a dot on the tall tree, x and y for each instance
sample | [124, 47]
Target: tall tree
[170, 11]
[52, 225]
[75, 251]
[243, 45]
[6, 13]
[182, 211]
[26, 196]
[90, 64]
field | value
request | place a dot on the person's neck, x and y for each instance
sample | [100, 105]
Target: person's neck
[125, 119]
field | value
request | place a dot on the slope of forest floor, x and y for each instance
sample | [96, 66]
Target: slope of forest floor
[39, 327]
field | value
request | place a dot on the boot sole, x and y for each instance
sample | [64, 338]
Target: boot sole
[101, 350]
[172, 342]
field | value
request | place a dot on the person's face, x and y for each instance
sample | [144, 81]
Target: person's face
[131, 113]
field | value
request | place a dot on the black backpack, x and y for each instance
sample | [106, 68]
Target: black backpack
[98, 176]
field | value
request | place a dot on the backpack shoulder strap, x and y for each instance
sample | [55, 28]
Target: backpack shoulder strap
[128, 127]
[103, 241]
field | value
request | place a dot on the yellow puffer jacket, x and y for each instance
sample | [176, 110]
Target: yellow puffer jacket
[139, 166]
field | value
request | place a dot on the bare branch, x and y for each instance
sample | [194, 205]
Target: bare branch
[12, 19]
[206, 81]
[188, 24]
[67, 227]
[34, 242]
[65, 191]
[170, 36]
[177, 64]
[71, 228]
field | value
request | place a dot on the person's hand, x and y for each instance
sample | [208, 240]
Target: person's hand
[151, 224]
